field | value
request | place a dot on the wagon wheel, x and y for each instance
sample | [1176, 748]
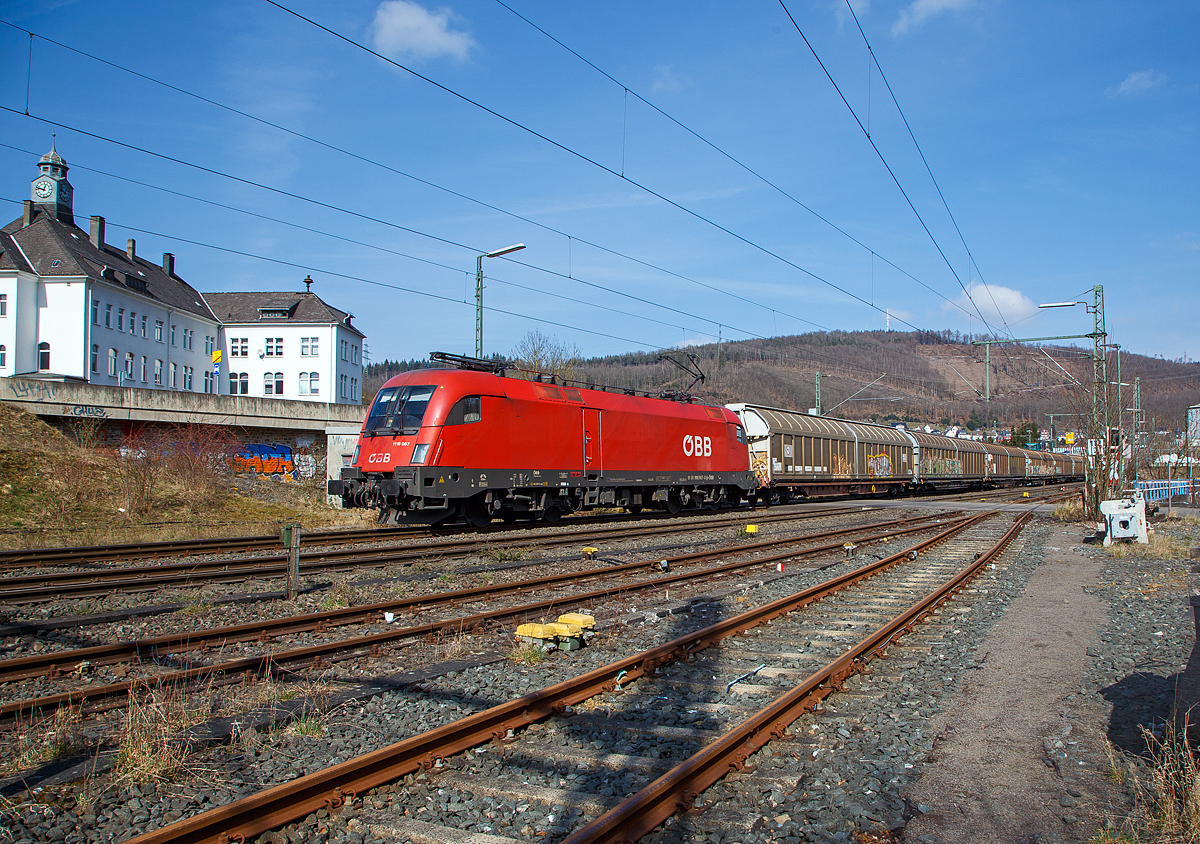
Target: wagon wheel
[634, 510]
[551, 515]
[476, 512]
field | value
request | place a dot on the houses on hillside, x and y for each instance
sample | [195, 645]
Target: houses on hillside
[73, 307]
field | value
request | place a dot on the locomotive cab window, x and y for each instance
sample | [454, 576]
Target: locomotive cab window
[466, 410]
[399, 410]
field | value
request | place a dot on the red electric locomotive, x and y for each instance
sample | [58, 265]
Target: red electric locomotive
[472, 443]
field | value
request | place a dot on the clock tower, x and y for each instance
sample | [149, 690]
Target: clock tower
[51, 191]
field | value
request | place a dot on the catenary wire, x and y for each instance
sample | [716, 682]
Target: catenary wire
[576, 154]
[741, 164]
[366, 217]
[928, 169]
[374, 282]
[396, 171]
[886, 166]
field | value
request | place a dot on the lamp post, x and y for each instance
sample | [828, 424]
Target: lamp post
[479, 292]
[1099, 383]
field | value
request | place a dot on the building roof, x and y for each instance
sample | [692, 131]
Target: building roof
[278, 308]
[51, 248]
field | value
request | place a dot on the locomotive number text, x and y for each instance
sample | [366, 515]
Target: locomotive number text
[697, 446]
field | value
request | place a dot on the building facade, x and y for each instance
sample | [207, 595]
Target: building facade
[73, 307]
[288, 345]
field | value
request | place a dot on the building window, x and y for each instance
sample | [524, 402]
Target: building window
[3, 304]
[158, 372]
[314, 384]
[44, 356]
[273, 384]
[108, 316]
[133, 322]
[95, 357]
[208, 381]
[353, 354]
[174, 380]
[120, 319]
[112, 362]
[95, 312]
[158, 330]
[303, 383]
[342, 381]
[274, 347]
[187, 377]
[143, 367]
[189, 338]
[172, 335]
[353, 388]
[143, 325]
[129, 365]
[345, 346]
[3, 357]
[308, 346]
[239, 383]
[239, 347]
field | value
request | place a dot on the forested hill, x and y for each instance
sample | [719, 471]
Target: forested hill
[924, 378]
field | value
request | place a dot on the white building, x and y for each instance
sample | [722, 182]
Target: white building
[288, 345]
[72, 307]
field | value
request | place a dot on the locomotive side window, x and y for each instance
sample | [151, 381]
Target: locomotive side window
[399, 410]
[466, 410]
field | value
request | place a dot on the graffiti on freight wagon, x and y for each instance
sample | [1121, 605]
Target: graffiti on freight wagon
[879, 466]
[275, 459]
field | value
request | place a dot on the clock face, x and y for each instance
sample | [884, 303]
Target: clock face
[64, 192]
[43, 189]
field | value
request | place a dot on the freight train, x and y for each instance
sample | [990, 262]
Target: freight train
[470, 443]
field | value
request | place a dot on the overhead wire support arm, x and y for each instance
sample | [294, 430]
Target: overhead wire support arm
[692, 368]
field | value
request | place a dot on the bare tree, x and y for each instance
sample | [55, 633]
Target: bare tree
[541, 353]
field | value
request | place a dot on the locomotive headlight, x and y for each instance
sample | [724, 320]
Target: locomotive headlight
[419, 453]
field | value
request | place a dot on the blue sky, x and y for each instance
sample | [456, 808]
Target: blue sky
[1063, 137]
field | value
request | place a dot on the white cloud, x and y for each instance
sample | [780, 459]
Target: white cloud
[994, 301]
[664, 80]
[921, 10]
[403, 29]
[1138, 82]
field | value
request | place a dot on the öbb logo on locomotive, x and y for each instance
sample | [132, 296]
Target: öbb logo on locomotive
[380, 457]
[697, 446]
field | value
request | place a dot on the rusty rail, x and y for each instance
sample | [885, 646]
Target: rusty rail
[677, 789]
[317, 653]
[277, 806]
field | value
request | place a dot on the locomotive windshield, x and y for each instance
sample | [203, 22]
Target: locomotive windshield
[398, 410]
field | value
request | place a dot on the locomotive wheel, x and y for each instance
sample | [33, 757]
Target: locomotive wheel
[633, 510]
[475, 511]
[551, 515]
[673, 505]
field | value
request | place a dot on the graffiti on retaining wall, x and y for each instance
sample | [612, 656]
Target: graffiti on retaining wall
[32, 390]
[275, 459]
[84, 411]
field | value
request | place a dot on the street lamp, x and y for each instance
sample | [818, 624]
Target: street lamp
[479, 292]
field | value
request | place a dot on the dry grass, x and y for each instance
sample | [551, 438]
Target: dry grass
[33, 743]
[529, 654]
[1161, 547]
[1069, 511]
[1166, 802]
[150, 748]
[504, 554]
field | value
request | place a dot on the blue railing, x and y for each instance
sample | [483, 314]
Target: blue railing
[1162, 490]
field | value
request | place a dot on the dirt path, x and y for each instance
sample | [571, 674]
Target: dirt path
[1019, 756]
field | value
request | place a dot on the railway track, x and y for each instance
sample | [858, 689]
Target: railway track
[92, 582]
[775, 651]
[80, 662]
[129, 552]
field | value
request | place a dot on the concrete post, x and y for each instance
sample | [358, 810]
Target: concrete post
[290, 535]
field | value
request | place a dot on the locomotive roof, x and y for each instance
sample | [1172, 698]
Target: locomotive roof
[489, 383]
